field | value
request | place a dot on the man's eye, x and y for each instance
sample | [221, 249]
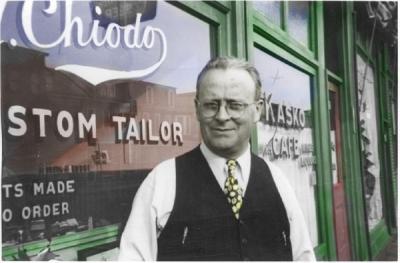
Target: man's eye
[236, 105]
[210, 105]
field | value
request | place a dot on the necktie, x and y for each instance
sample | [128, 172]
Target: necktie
[232, 189]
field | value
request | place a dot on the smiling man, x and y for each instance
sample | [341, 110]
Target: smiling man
[218, 201]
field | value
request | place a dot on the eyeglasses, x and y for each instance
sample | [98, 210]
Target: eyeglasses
[234, 109]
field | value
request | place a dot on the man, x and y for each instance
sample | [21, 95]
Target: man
[218, 201]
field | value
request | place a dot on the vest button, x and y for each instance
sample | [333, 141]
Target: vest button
[241, 222]
[244, 241]
[246, 259]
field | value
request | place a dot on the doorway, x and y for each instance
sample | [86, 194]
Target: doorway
[339, 196]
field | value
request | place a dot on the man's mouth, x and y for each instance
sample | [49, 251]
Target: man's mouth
[223, 129]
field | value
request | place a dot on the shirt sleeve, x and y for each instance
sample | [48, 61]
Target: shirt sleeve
[299, 236]
[151, 208]
[139, 239]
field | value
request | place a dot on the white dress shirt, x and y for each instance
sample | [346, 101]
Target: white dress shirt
[155, 198]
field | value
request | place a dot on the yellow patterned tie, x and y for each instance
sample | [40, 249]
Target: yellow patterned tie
[232, 189]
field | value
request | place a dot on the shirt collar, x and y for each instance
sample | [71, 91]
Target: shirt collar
[218, 162]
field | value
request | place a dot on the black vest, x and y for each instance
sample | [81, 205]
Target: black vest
[202, 225]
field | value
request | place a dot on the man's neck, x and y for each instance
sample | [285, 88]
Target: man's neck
[227, 156]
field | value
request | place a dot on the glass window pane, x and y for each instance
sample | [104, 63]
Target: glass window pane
[334, 135]
[270, 9]
[100, 114]
[369, 141]
[285, 134]
[332, 29]
[298, 20]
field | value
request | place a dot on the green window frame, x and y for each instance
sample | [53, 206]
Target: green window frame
[280, 32]
[379, 235]
[387, 80]
[268, 37]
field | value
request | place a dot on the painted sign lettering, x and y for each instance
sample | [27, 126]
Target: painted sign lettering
[131, 36]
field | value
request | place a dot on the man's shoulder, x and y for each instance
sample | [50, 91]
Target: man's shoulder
[193, 153]
[273, 167]
[284, 186]
[160, 177]
[169, 164]
[164, 166]
[277, 174]
[259, 161]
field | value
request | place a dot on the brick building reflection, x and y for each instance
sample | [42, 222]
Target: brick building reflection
[26, 81]
[106, 183]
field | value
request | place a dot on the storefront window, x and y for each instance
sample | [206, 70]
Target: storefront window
[91, 102]
[332, 29]
[369, 141]
[270, 9]
[285, 134]
[298, 20]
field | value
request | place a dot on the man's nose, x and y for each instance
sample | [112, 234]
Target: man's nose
[222, 114]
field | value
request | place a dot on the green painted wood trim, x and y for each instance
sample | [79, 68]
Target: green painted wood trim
[385, 127]
[322, 143]
[273, 49]
[249, 10]
[391, 77]
[272, 32]
[239, 24]
[335, 78]
[249, 38]
[362, 51]
[321, 252]
[223, 6]
[351, 146]
[202, 10]
[80, 240]
[284, 15]
[379, 238]
[376, 235]
[381, 94]
[313, 29]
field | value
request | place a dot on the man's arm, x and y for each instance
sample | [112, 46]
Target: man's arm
[301, 244]
[302, 248]
[150, 212]
[139, 239]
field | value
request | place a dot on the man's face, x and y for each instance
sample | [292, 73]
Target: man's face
[226, 136]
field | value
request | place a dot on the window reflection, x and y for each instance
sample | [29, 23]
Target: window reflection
[369, 141]
[105, 170]
[270, 9]
[298, 20]
[285, 132]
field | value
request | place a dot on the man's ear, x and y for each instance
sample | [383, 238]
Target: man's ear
[259, 107]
